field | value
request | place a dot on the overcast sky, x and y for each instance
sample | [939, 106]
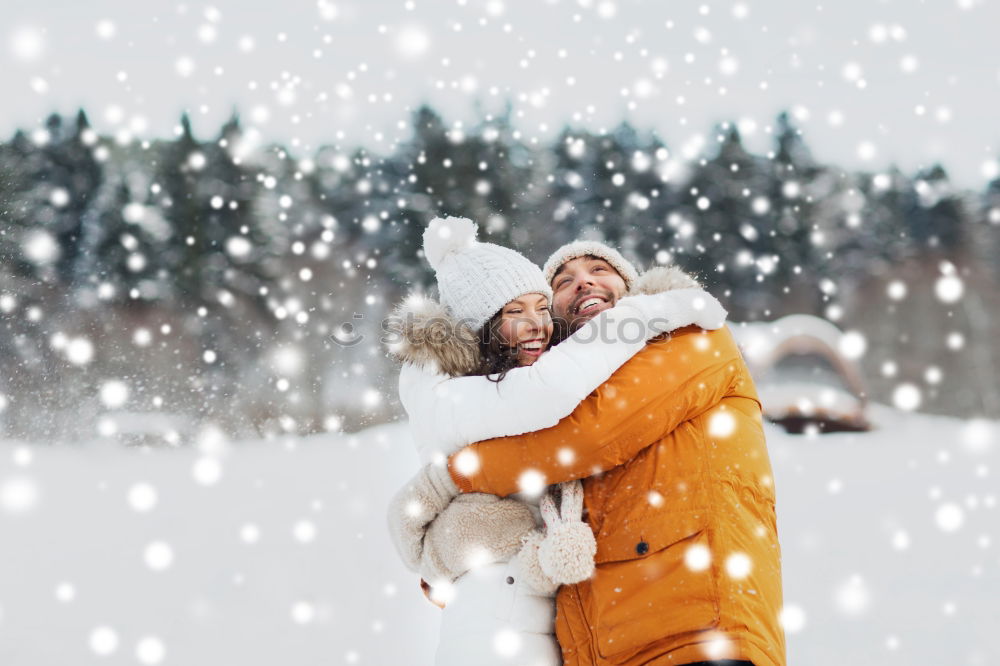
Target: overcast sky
[871, 82]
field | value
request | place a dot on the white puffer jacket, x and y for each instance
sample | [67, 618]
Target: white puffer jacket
[498, 600]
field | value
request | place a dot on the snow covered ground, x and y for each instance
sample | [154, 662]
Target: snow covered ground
[276, 552]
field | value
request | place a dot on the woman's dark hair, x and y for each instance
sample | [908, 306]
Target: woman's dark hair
[496, 357]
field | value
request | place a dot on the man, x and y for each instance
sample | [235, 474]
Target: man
[677, 489]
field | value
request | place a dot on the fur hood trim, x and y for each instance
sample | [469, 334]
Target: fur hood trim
[663, 278]
[425, 333]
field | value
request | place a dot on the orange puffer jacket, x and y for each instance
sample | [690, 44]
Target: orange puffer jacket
[679, 492]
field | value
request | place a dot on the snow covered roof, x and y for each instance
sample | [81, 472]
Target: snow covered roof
[836, 398]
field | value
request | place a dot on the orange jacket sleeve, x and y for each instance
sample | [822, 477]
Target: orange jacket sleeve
[669, 382]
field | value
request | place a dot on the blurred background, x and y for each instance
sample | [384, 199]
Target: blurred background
[208, 209]
[167, 283]
[187, 246]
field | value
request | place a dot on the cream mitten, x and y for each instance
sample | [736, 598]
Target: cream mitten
[414, 507]
[530, 569]
[474, 530]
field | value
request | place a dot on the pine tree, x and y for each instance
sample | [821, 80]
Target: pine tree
[721, 233]
[48, 186]
[934, 212]
[218, 250]
[800, 233]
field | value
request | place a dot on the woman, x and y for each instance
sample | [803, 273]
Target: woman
[476, 367]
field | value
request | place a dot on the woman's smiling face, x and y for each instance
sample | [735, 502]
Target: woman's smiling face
[526, 324]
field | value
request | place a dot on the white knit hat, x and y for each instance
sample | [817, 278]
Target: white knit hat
[582, 248]
[476, 279]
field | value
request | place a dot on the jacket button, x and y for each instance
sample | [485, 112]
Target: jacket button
[642, 548]
[510, 580]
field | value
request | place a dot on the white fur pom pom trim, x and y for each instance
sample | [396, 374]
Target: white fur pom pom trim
[445, 235]
[566, 555]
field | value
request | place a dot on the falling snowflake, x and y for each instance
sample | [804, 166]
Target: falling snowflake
[697, 557]
[949, 517]
[852, 596]
[158, 556]
[792, 618]
[18, 495]
[150, 650]
[142, 497]
[104, 641]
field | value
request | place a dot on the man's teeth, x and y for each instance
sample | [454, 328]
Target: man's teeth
[588, 303]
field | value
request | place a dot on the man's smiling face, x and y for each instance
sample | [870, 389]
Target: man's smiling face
[583, 287]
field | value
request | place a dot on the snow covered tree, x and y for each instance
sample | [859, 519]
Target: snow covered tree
[934, 212]
[47, 182]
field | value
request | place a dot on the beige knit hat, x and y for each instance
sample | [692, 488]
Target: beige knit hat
[582, 248]
[476, 280]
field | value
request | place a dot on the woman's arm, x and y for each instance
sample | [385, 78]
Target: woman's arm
[448, 413]
[439, 535]
[669, 383]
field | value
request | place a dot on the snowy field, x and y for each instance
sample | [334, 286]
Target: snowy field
[268, 553]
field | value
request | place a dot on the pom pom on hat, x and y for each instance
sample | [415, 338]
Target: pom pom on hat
[476, 279]
[445, 235]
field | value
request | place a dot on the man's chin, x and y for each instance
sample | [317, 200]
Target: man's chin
[584, 317]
